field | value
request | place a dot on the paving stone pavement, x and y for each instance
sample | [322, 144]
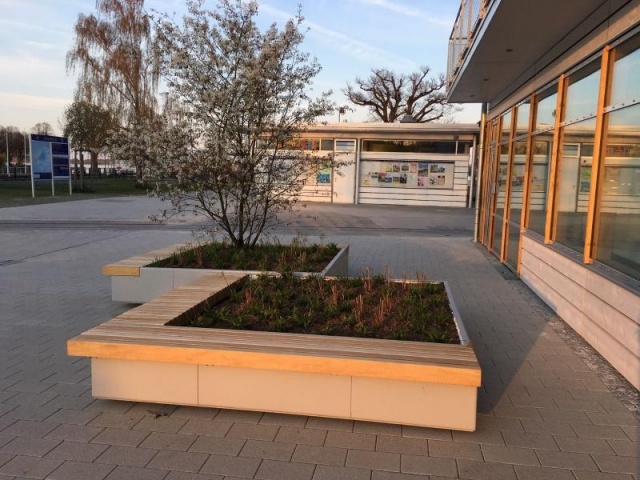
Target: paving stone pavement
[544, 411]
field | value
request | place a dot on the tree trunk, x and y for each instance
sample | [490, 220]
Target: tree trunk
[81, 171]
[94, 163]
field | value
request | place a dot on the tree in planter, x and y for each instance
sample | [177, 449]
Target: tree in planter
[389, 95]
[88, 126]
[241, 97]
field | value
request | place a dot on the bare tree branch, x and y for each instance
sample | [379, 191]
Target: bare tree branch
[389, 95]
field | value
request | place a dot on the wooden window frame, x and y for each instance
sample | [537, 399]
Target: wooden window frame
[597, 163]
[507, 190]
[526, 200]
[494, 198]
[558, 134]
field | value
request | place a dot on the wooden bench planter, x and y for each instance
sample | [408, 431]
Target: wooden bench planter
[133, 281]
[137, 357]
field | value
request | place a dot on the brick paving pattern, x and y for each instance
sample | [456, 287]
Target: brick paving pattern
[543, 412]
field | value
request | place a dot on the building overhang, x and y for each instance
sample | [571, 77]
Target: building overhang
[518, 38]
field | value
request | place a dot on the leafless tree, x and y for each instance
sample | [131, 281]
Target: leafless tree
[389, 95]
[42, 128]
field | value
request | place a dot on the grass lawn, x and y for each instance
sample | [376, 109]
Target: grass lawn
[15, 193]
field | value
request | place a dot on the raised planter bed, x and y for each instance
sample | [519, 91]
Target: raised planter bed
[137, 357]
[134, 281]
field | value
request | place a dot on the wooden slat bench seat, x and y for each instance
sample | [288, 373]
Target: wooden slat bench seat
[130, 267]
[266, 371]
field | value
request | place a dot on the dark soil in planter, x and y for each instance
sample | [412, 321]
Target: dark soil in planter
[297, 257]
[365, 307]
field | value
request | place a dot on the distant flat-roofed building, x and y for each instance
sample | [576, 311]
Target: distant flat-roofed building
[393, 163]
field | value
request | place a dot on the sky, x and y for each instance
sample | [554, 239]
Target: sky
[348, 37]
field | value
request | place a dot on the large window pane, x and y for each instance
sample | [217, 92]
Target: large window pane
[506, 127]
[542, 147]
[409, 146]
[626, 72]
[618, 242]
[501, 196]
[512, 245]
[517, 181]
[582, 92]
[574, 182]
[522, 120]
[546, 113]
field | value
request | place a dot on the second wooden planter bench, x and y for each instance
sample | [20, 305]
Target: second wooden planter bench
[134, 281]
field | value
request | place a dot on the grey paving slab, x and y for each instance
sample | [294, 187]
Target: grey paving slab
[80, 471]
[224, 446]
[124, 472]
[128, 456]
[469, 451]
[231, 466]
[275, 470]
[303, 436]
[30, 467]
[418, 464]
[358, 441]
[544, 413]
[183, 461]
[407, 445]
[326, 472]
[320, 455]
[206, 427]
[268, 450]
[373, 460]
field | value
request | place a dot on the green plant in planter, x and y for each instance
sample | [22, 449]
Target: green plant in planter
[298, 256]
[371, 307]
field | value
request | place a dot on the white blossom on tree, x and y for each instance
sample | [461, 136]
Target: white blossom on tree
[239, 95]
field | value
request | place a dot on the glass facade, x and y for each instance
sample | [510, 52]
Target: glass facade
[574, 183]
[618, 229]
[594, 207]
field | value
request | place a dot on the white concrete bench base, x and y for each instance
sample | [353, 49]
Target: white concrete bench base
[346, 397]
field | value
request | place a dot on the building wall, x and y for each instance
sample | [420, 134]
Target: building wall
[604, 313]
[560, 182]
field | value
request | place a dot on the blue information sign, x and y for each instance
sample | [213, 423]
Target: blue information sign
[49, 160]
[49, 157]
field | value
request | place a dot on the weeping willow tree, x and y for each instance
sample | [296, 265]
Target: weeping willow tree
[113, 55]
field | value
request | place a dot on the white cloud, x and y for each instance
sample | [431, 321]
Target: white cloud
[347, 45]
[15, 67]
[21, 101]
[41, 45]
[8, 24]
[409, 11]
